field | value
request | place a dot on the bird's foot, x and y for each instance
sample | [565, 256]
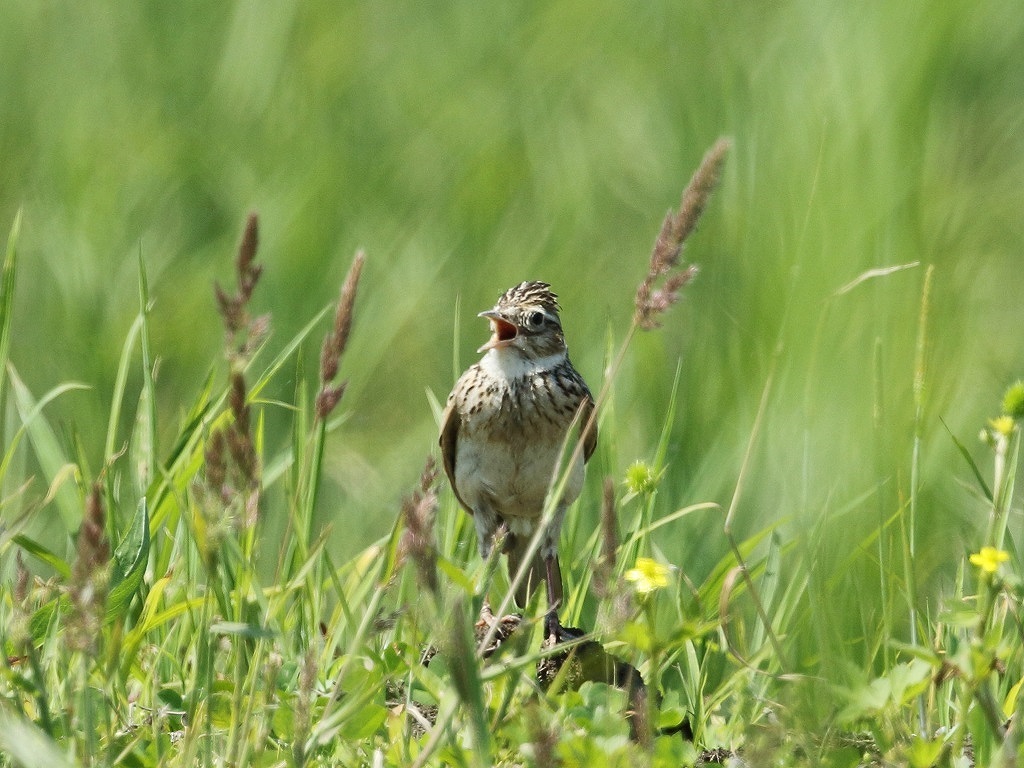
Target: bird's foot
[556, 634]
[490, 632]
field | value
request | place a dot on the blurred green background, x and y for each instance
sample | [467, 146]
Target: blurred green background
[468, 146]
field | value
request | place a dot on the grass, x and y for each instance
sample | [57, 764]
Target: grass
[160, 641]
[811, 406]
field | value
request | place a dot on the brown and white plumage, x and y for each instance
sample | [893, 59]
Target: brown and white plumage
[504, 428]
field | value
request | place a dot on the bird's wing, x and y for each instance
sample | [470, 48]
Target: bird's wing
[589, 435]
[450, 423]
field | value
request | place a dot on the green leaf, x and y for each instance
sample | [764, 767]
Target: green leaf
[924, 752]
[363, 723]
[172, 698]
[28, 745]
[970, 461]
[39, 624]
[7, 303]
[282, 357]
[146, 622]
[40, 552]
[637, 635]
[120, 383]
[129, 564]
[908, 680]
[866, 700]
[146, 420]
[456, 575]
[47, 448]
[1010, 701]
[669, 422]
[671, 717]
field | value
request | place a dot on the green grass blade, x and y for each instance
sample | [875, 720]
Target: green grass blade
[130, 559]
[44, 555]
[970, 461]
[285, 354]
[668, 422]
[120, 382]
[144, 438]
[39, 622]
[51, 457]
[7, 280]
[28, 745]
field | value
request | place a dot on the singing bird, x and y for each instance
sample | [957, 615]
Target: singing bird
[504, 428]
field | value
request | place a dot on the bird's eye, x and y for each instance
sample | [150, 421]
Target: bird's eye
[535, 319]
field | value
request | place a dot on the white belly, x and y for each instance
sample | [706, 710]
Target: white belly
[512, 481]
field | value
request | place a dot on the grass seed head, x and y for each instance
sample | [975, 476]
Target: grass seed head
[21, 580]
[243, 334]
[90, 574]
[418, 512]
[240, 443]
[336, 341]
[651, 301]
[248, 270]
[308, 671]
[216, 464]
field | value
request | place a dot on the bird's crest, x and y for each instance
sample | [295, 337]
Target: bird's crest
[530, 293]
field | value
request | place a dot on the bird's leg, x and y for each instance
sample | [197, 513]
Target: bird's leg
[488, 533]
[552, 626]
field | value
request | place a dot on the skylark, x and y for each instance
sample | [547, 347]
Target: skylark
[504, 428]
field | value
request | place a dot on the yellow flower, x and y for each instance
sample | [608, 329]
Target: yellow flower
[1002, 425]
[989, 559]
[648, 575]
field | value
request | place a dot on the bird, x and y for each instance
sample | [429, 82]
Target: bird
[503, 431]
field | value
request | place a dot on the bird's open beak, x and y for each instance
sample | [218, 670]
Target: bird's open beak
[502, 331]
